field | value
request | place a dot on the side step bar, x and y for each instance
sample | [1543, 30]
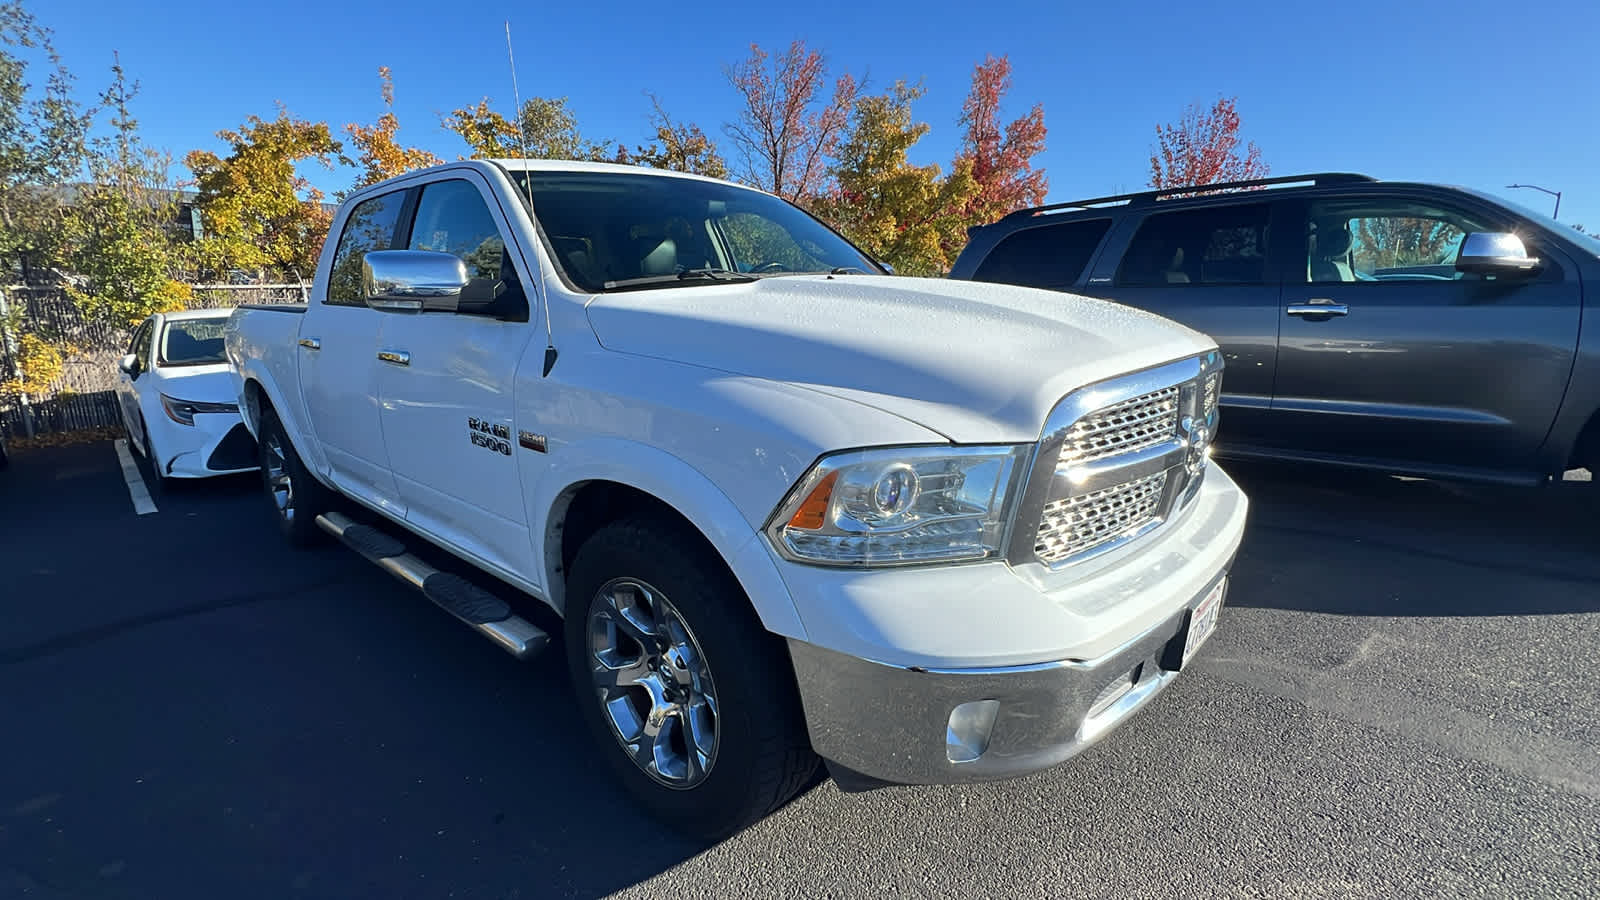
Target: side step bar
[488, 614]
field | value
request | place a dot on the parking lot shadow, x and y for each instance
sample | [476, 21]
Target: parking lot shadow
[1374, 545]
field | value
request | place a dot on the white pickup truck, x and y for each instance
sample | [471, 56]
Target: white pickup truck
[786, 505]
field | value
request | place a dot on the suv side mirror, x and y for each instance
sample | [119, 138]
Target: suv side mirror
[412, 280]
[129, 365]
[1495, 253]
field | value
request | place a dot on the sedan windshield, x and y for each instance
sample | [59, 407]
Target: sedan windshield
[615, 231]
[193, 342]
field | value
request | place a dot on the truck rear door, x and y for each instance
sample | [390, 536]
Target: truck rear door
[338, 359]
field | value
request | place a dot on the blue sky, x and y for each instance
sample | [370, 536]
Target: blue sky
[1467, 93]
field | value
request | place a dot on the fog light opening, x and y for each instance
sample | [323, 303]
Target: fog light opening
[966, 736]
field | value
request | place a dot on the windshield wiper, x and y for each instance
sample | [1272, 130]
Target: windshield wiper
[701, 275]
[847, 270]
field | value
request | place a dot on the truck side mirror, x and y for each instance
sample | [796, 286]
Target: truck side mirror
[129, 365]
[412, 280]
[1495, 253]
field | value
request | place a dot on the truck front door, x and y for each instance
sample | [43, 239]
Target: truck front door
[338, 362]
[446, 381]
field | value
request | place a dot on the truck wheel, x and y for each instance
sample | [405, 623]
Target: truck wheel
[296, 497]
[692, 701]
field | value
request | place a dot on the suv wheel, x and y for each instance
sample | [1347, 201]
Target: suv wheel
[687, 694]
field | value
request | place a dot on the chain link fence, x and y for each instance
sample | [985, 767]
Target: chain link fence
[58, 367]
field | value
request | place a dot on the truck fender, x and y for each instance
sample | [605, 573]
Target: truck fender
[678, 485]
[253, 372]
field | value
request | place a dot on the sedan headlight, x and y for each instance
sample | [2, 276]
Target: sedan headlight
[900, 506]
[184, 411]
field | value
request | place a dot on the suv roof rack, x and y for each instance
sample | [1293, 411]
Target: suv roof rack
[1317, 179]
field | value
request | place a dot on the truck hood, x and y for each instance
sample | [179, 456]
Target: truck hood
[975, 362]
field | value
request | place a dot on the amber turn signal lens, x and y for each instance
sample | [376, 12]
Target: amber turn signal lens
[814, 511]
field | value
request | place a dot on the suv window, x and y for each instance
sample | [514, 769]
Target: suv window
[370, 227]
[1219, 245]
[452, 218]
[1049, 256]
[1384, 241]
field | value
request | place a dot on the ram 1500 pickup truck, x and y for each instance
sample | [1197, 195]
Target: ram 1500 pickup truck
[787, 506]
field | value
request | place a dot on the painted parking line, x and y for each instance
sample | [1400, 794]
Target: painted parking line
[142, 504]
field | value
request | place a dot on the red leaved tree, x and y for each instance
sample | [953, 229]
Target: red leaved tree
[1001, 158]
[788, 129]
[1204, 148]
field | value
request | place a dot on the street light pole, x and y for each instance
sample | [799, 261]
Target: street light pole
[1555, 194]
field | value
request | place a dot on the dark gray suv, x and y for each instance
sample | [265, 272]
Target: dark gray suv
[1404, 327]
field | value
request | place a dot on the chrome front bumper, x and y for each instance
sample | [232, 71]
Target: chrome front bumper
[892, 724]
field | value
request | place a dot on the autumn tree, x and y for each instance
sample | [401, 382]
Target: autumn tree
[549, 131]
[788, 127]
[1001, 157]
[379, 154]
[259, 212]
[119, 228]
[43, 142]
[1204, 147]
[679, 146]
[906, 215]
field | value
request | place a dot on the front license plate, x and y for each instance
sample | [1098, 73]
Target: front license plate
[1203, 620]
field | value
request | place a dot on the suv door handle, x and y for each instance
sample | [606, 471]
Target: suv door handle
[311, 343]
[1318, 307]
[395, 357]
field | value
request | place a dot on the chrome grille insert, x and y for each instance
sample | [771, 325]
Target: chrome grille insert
[1131, 425]
[1116, 460]
[1071, 525]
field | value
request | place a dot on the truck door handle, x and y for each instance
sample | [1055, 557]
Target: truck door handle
[1318, 307]
[395, 357]
[311, 343]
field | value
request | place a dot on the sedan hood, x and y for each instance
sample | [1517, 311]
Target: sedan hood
[974, 362]
[210, 383]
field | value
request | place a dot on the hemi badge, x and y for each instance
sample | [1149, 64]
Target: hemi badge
[531, 441]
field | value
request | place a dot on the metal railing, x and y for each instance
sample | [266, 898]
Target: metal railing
[82, 395]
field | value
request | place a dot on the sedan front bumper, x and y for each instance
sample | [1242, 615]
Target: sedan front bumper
[894, 724]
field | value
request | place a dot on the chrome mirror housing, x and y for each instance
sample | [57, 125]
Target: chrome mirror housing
[1495, 253]
[412, 280]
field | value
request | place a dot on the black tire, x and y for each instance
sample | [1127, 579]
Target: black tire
[148, 448]
[762, 756]
[296, 503]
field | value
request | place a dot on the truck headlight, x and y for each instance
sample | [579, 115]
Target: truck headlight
[899, 506]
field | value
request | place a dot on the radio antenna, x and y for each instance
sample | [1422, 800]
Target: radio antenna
[527, 189]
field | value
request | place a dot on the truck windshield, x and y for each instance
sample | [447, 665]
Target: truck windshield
[617, 231]
[193, 342]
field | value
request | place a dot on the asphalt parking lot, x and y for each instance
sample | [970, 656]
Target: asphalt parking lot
[1401, 701]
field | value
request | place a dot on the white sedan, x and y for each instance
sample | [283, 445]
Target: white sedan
[177, 397]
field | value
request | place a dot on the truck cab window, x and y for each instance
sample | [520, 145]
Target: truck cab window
[452, 218]
[370, 227]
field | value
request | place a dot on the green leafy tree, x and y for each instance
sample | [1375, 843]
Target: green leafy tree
[379, 153]
[549, 131]
[259, 213]
[118, 229]
[43, 142]
[906, 215]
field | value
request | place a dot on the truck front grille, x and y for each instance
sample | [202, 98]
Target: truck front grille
[1133, 424]
[1072, 525]
[1117, 460]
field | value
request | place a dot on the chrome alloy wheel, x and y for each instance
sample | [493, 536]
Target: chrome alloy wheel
[652, 683]
[279, 483]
